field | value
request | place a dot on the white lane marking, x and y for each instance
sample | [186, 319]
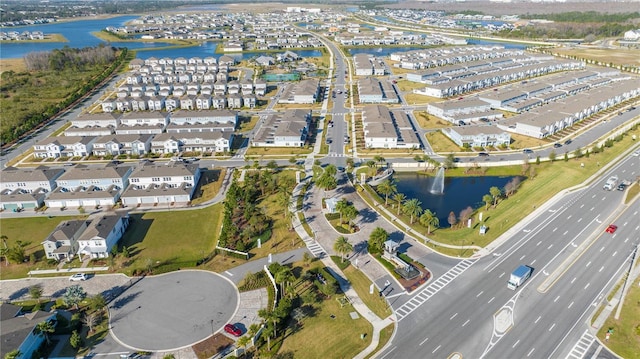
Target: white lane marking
[424, 341]
[491, 300]
[573, 280]
[552, 326]
[587, 286]
[555, 300]
[479, 294]
[570, 305]
[588, 264]
[601, 249]
[601, 268]
[516, 343]
[569, 216]
[534, 262]
[551, 245]
[555, 229]
[465, 323]
[501, 275]
[539, 243]
[592, 208]
[436, 349]
[521, 258]
[579, 219]
[228, 273]
[537, 320]
[614, 253]
[582, 205]
[625, 241]
[565, 233]
[531, 352]
[455, 315]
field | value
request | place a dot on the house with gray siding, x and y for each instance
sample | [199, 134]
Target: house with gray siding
[161, 185]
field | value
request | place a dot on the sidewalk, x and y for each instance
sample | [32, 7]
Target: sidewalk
[317, 250]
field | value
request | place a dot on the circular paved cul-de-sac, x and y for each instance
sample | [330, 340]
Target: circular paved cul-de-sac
[172, 310]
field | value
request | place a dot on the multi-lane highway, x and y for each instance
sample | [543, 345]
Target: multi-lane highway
[472, 312]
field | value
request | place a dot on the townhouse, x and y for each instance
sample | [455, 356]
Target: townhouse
[26, 188]
[152, 184]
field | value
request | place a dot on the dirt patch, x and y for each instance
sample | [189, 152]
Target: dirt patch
[212, 346]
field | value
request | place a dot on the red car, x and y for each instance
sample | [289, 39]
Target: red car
[233, 330]
[611, 229]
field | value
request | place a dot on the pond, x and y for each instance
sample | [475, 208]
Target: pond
[459, 192]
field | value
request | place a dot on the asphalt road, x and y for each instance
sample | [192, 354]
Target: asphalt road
[459, 317]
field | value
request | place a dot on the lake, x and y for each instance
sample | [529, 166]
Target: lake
[78, 34]
[459, 192]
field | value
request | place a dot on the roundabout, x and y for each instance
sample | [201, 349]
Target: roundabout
[173, 310]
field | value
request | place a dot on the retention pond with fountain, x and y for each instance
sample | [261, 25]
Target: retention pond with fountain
[443, 195]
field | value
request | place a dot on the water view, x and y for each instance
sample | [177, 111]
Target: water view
[78, 34]
[457, 194]
[383, 51]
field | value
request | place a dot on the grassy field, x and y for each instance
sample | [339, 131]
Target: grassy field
[625, 340]
[16, 65]
[427, 121]
[329, 332]
[622, 56]
[385, 336]
[278, 151]
[360, 284]
[32, 231]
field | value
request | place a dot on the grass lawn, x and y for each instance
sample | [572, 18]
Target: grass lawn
[246, 126]
[325, 337]
[625, 340]
[441, 143]
[361, 284]
[385, 335]
[212, 187]
[624, 56]
[30, 230]
[179, 238]
[16, 65]
[427, 121]
[632, 192]
[278, 151]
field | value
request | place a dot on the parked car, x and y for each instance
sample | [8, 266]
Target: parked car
[611, 229]
[483, 154]
[527, 151]
[78, 277]
[557, 145]
[636, 153]
[567, 142]
[233, 330]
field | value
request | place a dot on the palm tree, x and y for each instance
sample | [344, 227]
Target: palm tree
[487, 199]
[341, 205]
[350, 213]
[35, 291]
[331, 170]
[496, 193]
[14, 354]
[243, 342]
[412, 208]
[387, 188]
[379, 159]
[342, 246]
[45, 328]
[399, 198]
[377, 239]
[284, 276]
[371, 164]
[429, 219]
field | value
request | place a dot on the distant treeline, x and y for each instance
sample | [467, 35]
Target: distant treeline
[68, 58]
[584, 17]
[30, 99]
[587, 31]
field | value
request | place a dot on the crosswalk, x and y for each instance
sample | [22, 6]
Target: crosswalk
[580, 349]
[315, 248]
[424, 295]
[333, 154]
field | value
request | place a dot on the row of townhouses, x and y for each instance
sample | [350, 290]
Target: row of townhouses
[388, 129]
[146, 184]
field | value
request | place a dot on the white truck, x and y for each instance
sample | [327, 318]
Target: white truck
[519, 276]
[611, 183]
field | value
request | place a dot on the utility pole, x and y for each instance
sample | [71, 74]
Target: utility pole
[625, 286]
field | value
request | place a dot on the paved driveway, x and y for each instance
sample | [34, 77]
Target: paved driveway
[172, 310]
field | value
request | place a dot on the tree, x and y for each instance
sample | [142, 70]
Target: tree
[566, 157]
[487, 199]
[243, 342]
[331, 170]
[97, 303]
[14, 354]
[465, 214]
[379, 159]
[399, 198]
[342, 246]
[387, 188]
[341, 205]
[125, 252]
[45, 328]
[371, 164]
[412, 208]
[35, 291]
[271, 318]
[307, 259]
[552, 155]
[350, 162]
[429, 219]
[452, 218]
[5, 251]
[91, 320]
[377, 239]
[74, 295]
[75, 340]
[284, 276]
[17, 252]
[350, 213]
[449, 161]
[495, 193]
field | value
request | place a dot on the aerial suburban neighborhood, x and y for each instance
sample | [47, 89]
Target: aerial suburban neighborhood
[443, 179]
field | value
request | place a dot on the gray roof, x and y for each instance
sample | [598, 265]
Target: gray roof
[16, 326]
[65, 230]
[39, 174]
[101, 225]
[65, 140]
[81, 172]
[172, 168]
